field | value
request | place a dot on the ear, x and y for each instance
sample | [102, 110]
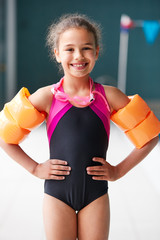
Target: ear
[56, 52]
[97, 52]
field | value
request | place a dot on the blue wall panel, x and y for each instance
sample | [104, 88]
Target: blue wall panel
[35, 69]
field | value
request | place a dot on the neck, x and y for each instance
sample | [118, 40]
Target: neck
[76, 84]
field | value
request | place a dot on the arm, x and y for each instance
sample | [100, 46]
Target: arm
[41, 100]
[118, 100]
[135, 157]
[18, 155]
[112, 173]
[50, 169]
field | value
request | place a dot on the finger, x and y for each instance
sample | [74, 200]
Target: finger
[57, 177]
[101, 160]
[56, 172]
[60, 167]
[95, 168]
[97, 173]
[58, 162]
[99, 178]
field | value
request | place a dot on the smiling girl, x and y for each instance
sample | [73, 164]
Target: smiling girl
[76, 202]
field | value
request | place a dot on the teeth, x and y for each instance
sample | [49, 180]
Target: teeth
[79, 65]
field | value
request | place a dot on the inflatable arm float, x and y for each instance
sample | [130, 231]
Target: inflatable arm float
[18, 118]
[137, 121]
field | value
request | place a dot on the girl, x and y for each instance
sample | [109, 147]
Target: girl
[76, 202]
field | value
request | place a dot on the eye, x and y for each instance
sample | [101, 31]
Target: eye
[70, 50]
[87, 48]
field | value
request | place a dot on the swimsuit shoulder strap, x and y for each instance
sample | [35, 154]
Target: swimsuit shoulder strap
[99, 89]
[101, 107]
[56, 105]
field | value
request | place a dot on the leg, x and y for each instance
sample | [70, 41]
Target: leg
[93, 220]
[60, 220]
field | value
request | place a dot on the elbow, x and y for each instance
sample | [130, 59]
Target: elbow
[156, 140]
[5, 145]
[2, 143]
[152, 143]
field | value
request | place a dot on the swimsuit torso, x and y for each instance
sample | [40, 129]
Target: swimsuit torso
[76, 135]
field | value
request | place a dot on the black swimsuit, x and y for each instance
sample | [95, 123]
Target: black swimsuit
[76, 135]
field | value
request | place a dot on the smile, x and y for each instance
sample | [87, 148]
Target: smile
[79, 66]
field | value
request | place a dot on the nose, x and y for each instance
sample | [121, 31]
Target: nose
[78, 55]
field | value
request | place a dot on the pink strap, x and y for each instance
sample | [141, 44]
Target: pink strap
[101, 106]
[101, 95]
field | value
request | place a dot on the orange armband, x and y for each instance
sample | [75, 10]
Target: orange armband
[18, 118]
[137, 121]
[10, 131]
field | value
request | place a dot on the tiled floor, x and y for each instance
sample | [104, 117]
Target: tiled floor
[134, 199]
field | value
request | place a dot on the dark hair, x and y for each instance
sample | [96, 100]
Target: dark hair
[71, 21]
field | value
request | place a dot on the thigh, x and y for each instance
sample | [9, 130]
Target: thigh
[60, 220]
[93, 220]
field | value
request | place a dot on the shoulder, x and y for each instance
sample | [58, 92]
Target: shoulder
[115, 97]
[42, 98]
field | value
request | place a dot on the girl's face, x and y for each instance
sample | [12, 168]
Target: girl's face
[77, 52]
